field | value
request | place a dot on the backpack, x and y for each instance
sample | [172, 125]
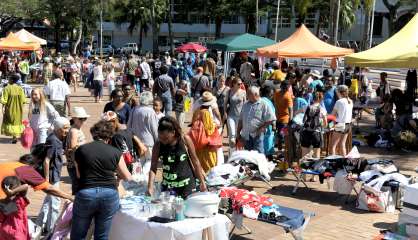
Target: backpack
[312, 123]
[138, 71]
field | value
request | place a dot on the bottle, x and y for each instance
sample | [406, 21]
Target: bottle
[179, 208]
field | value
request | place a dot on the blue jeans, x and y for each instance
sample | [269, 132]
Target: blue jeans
[97, 203]
[255, 143]
[167, 102]
[50, 211]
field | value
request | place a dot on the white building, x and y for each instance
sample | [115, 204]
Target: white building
[199, 31]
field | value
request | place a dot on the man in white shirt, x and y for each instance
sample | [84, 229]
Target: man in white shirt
[146, 74]
[58, 93]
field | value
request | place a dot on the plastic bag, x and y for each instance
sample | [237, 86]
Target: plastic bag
[373, 202]
[27, 136]
[187, 104]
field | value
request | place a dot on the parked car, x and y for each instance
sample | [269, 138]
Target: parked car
[107, 50]
[129, 48]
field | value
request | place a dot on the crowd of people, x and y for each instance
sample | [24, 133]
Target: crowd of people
[145, 123]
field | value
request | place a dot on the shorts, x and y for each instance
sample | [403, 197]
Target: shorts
[347, 129]
[310, 138]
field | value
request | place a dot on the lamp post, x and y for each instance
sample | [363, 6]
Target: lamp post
[372, 24]
[277, 20]
[101, 29]
[337, 19]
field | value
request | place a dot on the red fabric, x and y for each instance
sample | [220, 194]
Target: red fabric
[27, 136]
[191, 47]
[15, 226]
[215, 140]
[198, 135]
[244, 198]
[29, 175]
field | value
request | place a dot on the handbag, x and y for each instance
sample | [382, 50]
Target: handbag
[215, 140]
[198, 135]
[27, 135]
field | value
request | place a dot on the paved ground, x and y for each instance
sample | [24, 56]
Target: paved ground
[334, 219]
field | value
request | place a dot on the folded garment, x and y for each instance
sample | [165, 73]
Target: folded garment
[223, 175]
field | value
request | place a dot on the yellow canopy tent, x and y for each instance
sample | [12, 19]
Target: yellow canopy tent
[399, 51]
[11, 42]
[302, 44]
[28, 37]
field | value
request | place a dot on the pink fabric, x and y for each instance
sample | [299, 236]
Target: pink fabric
[63, 225]
[15, 226]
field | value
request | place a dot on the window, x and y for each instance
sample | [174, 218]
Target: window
[231, 20]
[284, 16]
[310, 20]
[377, 26]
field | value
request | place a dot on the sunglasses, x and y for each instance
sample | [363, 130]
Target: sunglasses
[119, 96]
[82, 119]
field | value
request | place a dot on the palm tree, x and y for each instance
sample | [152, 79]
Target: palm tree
[367, 8]
[135, 14]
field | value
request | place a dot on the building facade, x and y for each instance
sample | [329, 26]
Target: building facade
[200, 31]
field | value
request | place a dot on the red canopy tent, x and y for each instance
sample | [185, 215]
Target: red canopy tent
[191, 47]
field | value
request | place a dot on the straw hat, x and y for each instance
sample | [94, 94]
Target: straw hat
[316, 73]
[208, 99]
[79, 112]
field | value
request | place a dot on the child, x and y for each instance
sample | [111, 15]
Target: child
[13, 217]
[179, 98]
[111, 77]
[158, 106]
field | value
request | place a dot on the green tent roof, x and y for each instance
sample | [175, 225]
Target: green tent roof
[243, 42]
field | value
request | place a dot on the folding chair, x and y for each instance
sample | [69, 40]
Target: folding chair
[300, 174]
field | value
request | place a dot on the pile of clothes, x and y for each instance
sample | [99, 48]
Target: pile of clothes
[240, 164]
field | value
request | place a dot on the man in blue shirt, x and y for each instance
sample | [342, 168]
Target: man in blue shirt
[330, 96]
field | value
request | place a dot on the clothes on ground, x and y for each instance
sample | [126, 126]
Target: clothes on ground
[250, 202]
[264, 167]
[224, 174]
[13, 99]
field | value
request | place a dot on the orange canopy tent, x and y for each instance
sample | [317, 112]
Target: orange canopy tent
[11, 42]
[302, 44]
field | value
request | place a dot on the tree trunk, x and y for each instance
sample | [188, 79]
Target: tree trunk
[251, 21]
[80, 33]
[366, 33]
[57, 28]
[218, 26]
[170, 26]
[141, 30]
[154, 29]
[337, 19]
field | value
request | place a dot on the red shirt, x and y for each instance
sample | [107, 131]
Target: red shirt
[15, 225]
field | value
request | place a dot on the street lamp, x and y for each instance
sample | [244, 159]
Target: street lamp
[277, 20]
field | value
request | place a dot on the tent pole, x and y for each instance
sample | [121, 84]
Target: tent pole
[277, 20]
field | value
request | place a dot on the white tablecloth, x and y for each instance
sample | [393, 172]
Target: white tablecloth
[126, 226]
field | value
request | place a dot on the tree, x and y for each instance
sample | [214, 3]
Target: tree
[12, 12]
[392, 15]
[367, 6]
[138, 14]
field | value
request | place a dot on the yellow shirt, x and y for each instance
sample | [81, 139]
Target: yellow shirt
[278, 75]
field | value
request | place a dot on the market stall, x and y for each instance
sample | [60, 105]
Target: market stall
[302, 44]
[191, 47]
[13, 43]
[239, 43]
[399, 51]
[28, 37]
